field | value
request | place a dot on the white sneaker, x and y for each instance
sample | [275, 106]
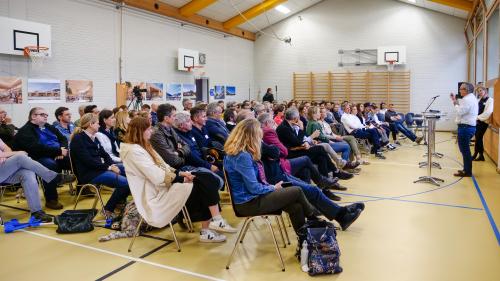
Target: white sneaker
[222, 226]
[210, 236]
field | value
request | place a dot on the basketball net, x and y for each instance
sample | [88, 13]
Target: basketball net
[390, 65]
[197, 71]
[36, 54]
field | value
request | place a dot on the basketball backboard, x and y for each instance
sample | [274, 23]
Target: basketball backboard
[16, 34]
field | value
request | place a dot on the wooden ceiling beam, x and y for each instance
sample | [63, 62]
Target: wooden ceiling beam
[195, 6]
[459, 4]
[251, 13]
[170, 11]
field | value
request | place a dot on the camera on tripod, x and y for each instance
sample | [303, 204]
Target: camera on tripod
[138, 92]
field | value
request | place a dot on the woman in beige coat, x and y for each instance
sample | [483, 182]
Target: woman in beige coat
[157, 198]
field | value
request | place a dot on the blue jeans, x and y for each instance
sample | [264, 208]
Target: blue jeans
[316, 197]
[465, 133]
[371, 134]
[399, 127]
[22, 169]
[118, 182]
[343, 148]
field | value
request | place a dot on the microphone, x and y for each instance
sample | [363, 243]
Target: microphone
[436, 97]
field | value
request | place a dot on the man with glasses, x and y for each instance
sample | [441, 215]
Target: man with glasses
[45, 144]
[466, 109]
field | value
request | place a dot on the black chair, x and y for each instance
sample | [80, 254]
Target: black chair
[248, 220]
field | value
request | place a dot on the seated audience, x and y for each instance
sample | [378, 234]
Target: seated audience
[215, 126]
[154, 116]
[199, 130]
[159, 194]
[92, 109]
[252, 195]
[81, 111]
[7, 129]
[120, 129]
[354, 127]
[396, 123]
[17, 168]
[45, 144]
[106, 135]
[145, 108]
[187, 104]
[279, 114]
[328, 132]
[259, 109]
[303, 108]
[132, 114]
[332, 147]
[230, 119]
[63, 123]
[183, 127]
[166, 141]
[337, 113]
[93, 165]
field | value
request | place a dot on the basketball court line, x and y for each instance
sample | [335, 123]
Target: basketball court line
[487, 210]
[138, 260]
[410, 165]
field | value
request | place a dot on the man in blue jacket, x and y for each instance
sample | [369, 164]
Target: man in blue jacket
[216, 128]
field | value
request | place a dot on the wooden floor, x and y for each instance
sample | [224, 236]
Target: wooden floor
[407, 232]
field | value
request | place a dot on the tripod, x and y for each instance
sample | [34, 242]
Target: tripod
[136, 102]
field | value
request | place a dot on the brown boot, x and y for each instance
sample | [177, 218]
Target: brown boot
[53, 204]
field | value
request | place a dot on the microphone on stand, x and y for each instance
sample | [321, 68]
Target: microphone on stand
[436, 97]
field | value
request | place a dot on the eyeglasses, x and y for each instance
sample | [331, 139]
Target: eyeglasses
[42, 114]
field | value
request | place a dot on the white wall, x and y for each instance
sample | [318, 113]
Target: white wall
[85, 43]
[436, 51]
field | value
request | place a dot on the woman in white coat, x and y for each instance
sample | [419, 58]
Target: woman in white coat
[106, 135]
[151, 180]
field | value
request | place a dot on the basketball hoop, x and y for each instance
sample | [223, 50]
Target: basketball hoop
[390, 65]
[37, 54]
[197, 70]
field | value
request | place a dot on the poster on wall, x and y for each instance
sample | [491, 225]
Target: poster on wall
[189, 90]
[230, 91]
[174, 91]
[11, 90]
[79, 91]
[212, 92]
[154, 91]
[219, 92]
[132, 85]
[44, 91]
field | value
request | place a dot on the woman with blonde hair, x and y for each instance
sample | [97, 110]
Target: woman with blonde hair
[122, 120]
[160, 191]
[92, 164]
[252, 194]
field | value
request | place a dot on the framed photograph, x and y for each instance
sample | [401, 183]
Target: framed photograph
[44, 91]
[154, 91]
[174, 91]
[189, 90]
[11, 90]
[230, 90]
[219, 92]
[79, 91]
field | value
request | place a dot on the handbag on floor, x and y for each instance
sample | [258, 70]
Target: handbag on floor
[75, 221]
[323, 250]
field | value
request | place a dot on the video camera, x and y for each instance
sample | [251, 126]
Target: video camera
[138, 92]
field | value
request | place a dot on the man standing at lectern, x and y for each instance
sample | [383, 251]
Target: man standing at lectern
[466, 109]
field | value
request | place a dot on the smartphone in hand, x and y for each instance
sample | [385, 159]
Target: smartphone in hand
[286, 184]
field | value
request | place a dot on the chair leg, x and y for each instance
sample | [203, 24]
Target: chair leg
[136, 232]
[275, 244]
[189, 223]
[284, 229]
[245, 230]
[280, 231]
[175, 238]
[78, 196]
[99, 197]
[247, 220]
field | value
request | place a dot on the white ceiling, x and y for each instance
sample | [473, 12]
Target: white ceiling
[223, 10]
[439, 8]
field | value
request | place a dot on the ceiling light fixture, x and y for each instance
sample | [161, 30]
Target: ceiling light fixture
[282, 9]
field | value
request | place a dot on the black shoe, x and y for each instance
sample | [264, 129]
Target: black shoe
[351, 165]
[327, 182]
[355, 206]
[343, 175]
[331, 195]
[53, 204]
[479, 158]
[379, 155]
[42, 216]
[65, 178]
[337, 186]
[348, 218]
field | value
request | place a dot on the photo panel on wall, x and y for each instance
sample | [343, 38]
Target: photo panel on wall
[189, 91]
[154, 91]
[219, 92]
[230, 91]
[44, 91]
[79, 91]
[174, 91]
[11, 90]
